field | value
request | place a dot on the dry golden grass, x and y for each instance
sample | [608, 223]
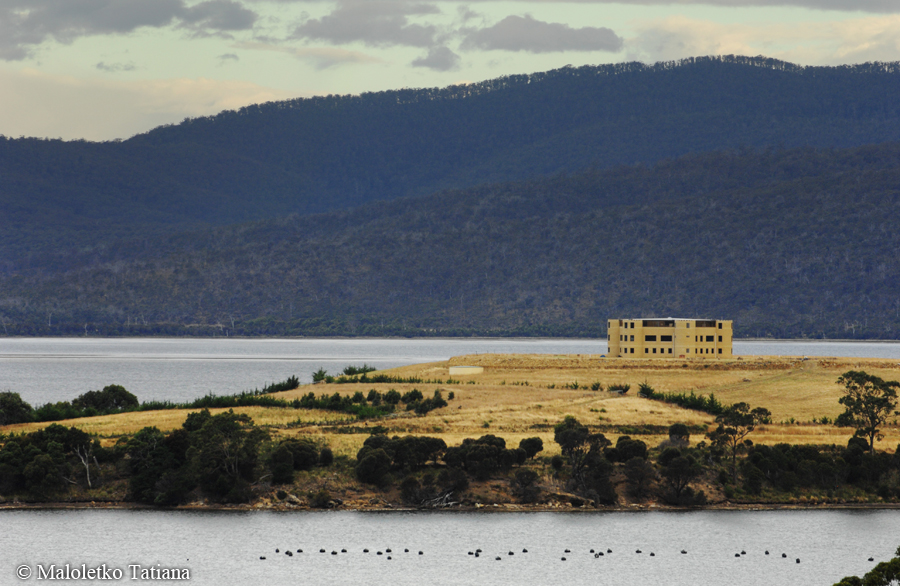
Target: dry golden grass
[520, 396]
[167, 420]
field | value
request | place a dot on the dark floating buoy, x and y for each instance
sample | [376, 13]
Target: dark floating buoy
[420, 553]
[379, 553]
[289, 553]
[637, 551]
[498, 558]
[365, 551]
[652, 554]
[478, 550]
[471, 553]
[608, 551]
[592, 551]
[784, 555]
[477, 554]
[321, 551]
[389, 557]
[333, 553]
[743, 552]
[737, 555]
[563, 559]
[262, 557]
[767, 552]
[343, 551]
[683, 551]
[599, 553]
[871, 559]
[798, 560]
[299, 551]
[511, 553]
[277, 551]
[567, 551]
[524, 551]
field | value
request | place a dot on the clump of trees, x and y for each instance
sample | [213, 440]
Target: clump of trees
[46, 462]
[112, 399]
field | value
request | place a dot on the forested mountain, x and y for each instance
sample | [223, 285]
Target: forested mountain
[787, 242]
[330, 153]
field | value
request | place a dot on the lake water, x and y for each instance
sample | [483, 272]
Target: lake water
[224, 548]
[46, 370]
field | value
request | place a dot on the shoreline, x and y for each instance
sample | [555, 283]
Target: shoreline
[487, 508]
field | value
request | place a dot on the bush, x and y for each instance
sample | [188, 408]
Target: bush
[304, 452]
[281, 464]
[410, 396]
[320, 499]
[557, 462]
[319, 375]
[13, 409]
[326, 457]
[532, 445]
[373, 466]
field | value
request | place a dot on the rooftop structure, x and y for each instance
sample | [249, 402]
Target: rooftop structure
[670, 338]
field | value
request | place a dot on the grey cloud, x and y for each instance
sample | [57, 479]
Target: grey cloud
[228, 57]
[438, 59]
[524, 33]
[873, 6]
[27, 23]
[373, 22]
[115, 67]
[220, 15]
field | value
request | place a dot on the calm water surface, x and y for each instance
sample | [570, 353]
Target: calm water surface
[46, 370]
[224, 548]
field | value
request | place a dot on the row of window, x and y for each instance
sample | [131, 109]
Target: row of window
[669, 324]
[669, 351]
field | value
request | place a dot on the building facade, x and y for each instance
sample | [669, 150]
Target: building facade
[669, 338]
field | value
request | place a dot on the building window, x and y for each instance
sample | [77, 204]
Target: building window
[654, 350]
[710, 338]
[720, 350]
[670, 350]
[720, 326]
[632, 350]
[665, 338]
[650, 338]
[632, 337]
[720, 338]
[646, 350]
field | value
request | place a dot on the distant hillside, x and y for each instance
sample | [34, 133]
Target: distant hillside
[788, 243]
[331, 153]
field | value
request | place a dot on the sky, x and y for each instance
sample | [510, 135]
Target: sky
[109, 69]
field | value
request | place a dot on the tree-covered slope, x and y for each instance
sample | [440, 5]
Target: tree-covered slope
[329, 153]
[786, 242]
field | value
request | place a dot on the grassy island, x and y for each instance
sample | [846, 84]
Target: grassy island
[528, 431]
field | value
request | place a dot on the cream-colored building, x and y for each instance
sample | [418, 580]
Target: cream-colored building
[670, 338]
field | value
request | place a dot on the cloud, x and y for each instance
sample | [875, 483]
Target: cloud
[226, 57]
[873, 38]
[874, 6]
[319, 57]
[25, 24]
[438, 59]
[37, 104]
[524, 33]
[376, 23]
[115, 67]
[218, 15]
